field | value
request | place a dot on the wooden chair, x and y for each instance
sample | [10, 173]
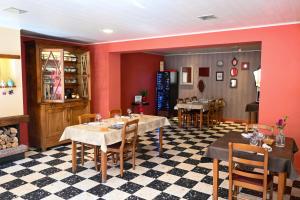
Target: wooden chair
[186, 100]
[260, 126]
[248, 179]
[209, 114]
[183, 117]
[188, 114]
[220, 104]
[114, 112]
[194, 98]
[128, 143]
[84, 119]
[180, 101]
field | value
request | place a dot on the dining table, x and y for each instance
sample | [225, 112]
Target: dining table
[104, 133]
[201, 106]
[280, 159]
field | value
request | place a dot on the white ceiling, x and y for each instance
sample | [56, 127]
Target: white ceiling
[133, 19]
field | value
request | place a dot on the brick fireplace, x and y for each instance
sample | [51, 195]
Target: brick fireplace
[10, 147]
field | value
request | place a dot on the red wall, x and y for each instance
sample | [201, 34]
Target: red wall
[138, 71]
[280, 84]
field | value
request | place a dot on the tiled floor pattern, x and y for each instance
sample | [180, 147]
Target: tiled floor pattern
[180, 173]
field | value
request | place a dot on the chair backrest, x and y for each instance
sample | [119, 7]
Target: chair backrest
[220, 103]
[180, 101]
[114, 112]
[129, 132]
[194, 98]
[84, 118]
[260, 126]
[212, 106]
[187, 100]
[243, 154]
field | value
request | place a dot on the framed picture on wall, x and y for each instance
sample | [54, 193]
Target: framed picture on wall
[245, 65]
[186, 76]
[138, 99]
[219, 76]
[233, 83]
[204, 71]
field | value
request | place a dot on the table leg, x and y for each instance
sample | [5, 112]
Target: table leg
[161, 140]
[74, 157]
[179, 118]
[215, 178]
[201, 119]
[104, 166]
[281, 185]
[249, 118]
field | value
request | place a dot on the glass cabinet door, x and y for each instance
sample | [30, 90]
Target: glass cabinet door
[52, 75]
[84, 75]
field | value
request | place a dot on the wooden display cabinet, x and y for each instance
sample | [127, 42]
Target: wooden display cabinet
[58, 90]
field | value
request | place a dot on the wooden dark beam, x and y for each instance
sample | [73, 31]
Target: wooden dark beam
[7, 121]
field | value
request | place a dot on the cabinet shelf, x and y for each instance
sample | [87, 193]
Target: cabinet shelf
[70, 62]
[71, 73]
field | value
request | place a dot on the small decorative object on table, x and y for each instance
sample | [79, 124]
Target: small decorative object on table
[141, 109]
[129, 111]
[280, 138]
[98, 117]
[10, 83]
[138, 99]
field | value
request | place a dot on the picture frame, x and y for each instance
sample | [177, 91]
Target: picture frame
[204, 71]
[219, 76]
[245, 65]
[233, 83]
[186, 76]
[138, 99]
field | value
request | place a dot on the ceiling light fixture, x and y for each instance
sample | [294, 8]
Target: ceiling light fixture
[207, 17]
[15, 10]
[107, 30]
[138, 4]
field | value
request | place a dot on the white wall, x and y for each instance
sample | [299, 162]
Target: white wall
[10, 43]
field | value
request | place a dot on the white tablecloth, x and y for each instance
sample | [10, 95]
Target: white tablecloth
[91, 134]
[192, 106]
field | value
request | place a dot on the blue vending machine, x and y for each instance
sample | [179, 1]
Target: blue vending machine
[166, 92]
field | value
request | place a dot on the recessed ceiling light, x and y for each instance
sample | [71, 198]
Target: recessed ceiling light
[138, 4]
[15, 10]
[107, 30]
[207, 17]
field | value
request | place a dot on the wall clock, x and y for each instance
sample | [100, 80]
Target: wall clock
[234, 61]
[233, 71]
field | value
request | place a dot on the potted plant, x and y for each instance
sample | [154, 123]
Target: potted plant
[144, 94]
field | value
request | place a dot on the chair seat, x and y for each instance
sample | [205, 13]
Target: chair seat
[253, 181]
[116, 147]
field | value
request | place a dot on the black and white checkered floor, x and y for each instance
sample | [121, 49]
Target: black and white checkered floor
[180, 173]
